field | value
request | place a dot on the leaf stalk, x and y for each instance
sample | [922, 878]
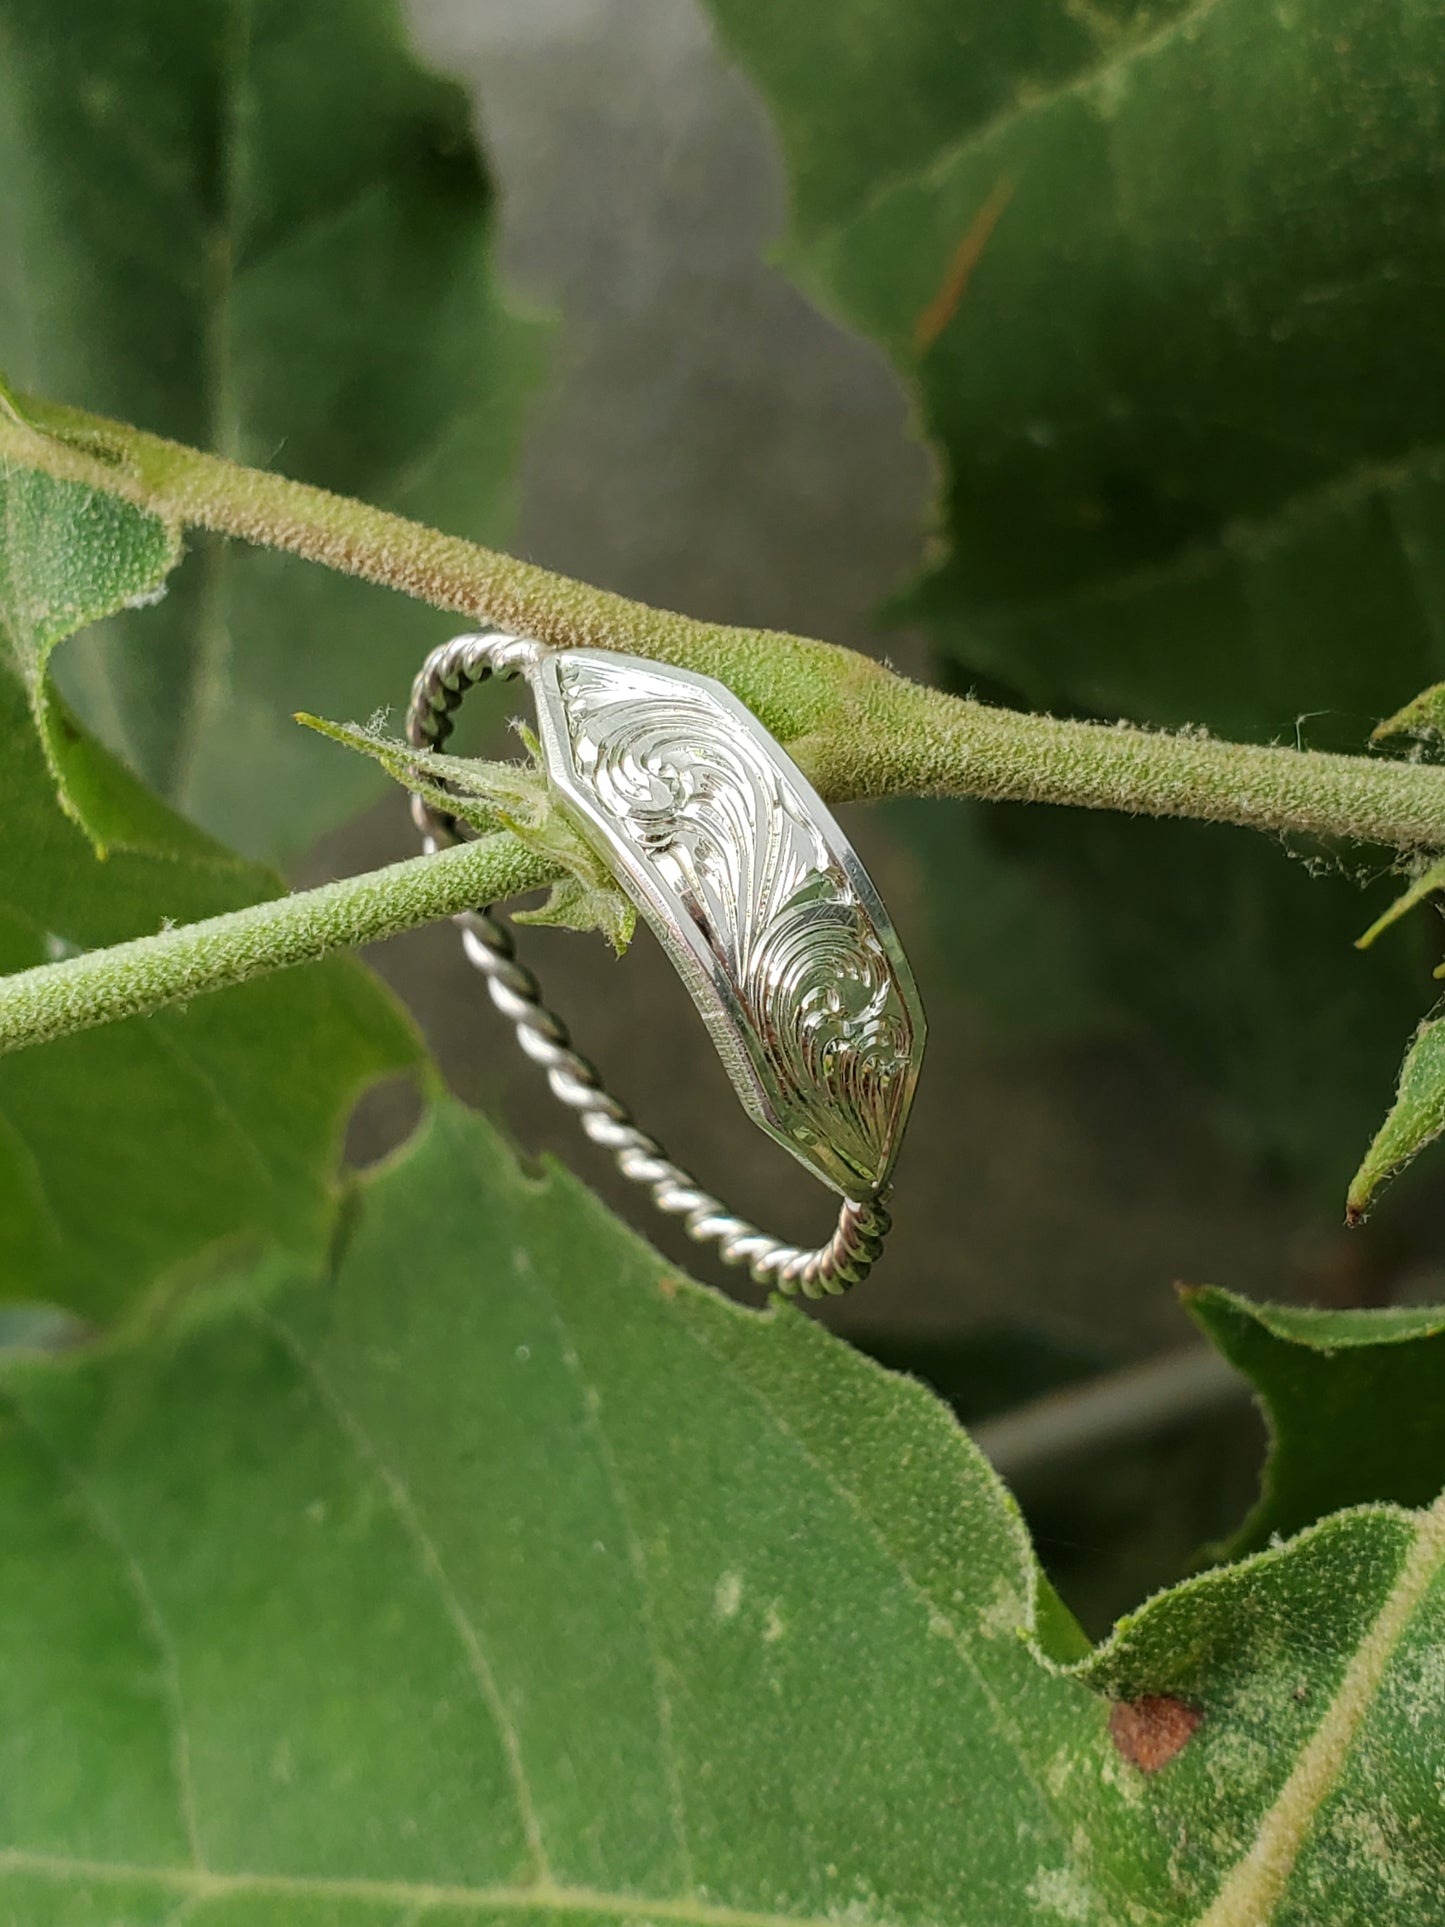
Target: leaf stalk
[147, 974]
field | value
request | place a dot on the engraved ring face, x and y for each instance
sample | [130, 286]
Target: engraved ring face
[756, 895]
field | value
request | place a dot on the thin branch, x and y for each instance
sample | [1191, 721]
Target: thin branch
[130, 979]
[1050, 1435]
[858, 729]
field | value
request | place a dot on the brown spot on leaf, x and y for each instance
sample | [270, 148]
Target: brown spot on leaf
[1150, 1731]
[962, 262]
[667, 1287]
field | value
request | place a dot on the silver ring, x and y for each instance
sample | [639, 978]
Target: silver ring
[760, 902]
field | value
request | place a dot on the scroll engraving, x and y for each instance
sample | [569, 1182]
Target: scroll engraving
[738, 846]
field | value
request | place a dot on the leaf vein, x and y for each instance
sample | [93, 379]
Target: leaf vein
[1002, 1723]
[461, 1621]
[1243, 539]
[1253, 1888]
[108, 1532]
[543, 1897]
[638, 1561]
[36, 1186]
[1113, 60]
[212, 641]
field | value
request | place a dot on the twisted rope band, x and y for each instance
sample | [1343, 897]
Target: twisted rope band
[848, 1256]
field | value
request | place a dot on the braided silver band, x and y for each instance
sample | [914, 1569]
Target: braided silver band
[847, 1257]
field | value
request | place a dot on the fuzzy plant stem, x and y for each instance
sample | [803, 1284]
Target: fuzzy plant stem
[855, 727]
[859, 730]
[131, 978]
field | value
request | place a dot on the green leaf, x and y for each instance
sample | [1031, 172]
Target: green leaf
[68, 556]
[1164, 279]
[128, 1154]
[1415, 1119]
[275, 243]
[1308, 1683]
[1423, 717]
[1130, 279]
[579, 1590]
[520, 798]
[1430, 879]
[1242, 957]
[1352, 1399]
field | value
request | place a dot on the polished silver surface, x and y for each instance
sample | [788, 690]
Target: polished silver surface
[755, 894]
[759, 901]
